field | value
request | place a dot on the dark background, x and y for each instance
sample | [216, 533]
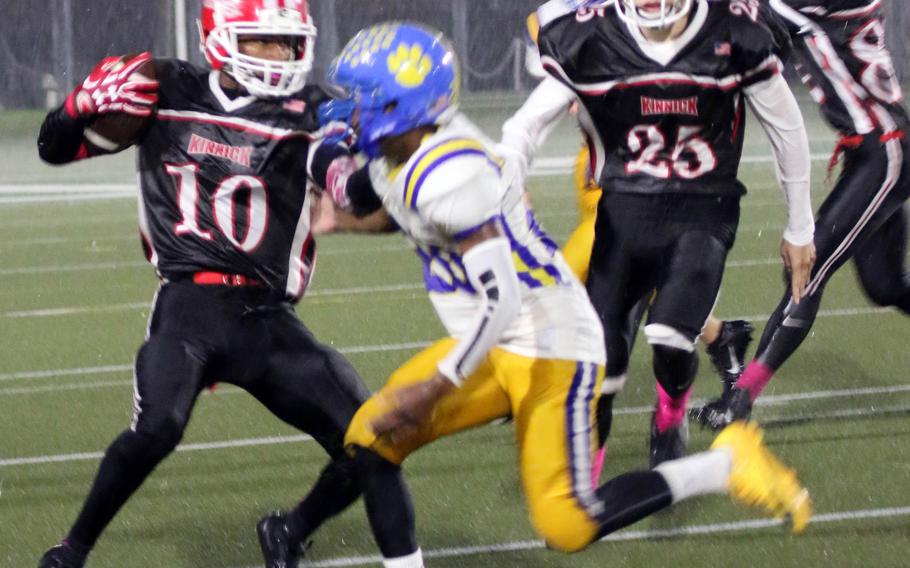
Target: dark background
[45, 45]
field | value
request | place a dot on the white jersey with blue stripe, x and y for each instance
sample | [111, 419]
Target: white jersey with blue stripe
[452, 185]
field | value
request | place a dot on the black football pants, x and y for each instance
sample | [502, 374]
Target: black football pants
[864, 218]
[199, 335]
[676, 244]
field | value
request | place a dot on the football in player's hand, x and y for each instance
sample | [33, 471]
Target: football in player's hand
[114, 131]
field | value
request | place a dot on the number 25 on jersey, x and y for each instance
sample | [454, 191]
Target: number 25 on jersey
[690, 158]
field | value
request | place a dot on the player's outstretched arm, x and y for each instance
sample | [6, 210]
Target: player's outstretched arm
[778, 112]
[526, 130]
[327, 217]
[348, 203]
[115, 86]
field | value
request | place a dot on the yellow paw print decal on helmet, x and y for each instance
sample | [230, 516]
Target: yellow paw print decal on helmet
[410, 65]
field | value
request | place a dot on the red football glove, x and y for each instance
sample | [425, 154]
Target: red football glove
[114, 87]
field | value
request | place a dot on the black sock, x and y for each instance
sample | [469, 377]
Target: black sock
[631, 497]
[604, 418]
[388, 502]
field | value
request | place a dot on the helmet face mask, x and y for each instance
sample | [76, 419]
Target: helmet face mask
[226, 23]
[670, 12]
[397, 77]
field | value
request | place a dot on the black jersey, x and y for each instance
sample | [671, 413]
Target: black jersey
[845, 63]
[224, 181]
[658, 121]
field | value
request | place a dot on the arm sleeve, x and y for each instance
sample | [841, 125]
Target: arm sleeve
[61, 139]
[528, 128]
[490, 270]
[778, 112]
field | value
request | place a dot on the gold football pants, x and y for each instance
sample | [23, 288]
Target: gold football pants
[577, 250]
[553, 406]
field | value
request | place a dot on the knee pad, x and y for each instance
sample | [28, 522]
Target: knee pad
[613, 385]
[674, 369]
[660, 334]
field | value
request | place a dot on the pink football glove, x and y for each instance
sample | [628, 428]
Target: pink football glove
[114, 86]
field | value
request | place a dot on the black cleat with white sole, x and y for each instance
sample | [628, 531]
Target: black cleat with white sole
[278, 550]
[735, 404]
[728, 352]
[62, 556]
[669, 444]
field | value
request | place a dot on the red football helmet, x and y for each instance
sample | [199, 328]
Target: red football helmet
[224, 22]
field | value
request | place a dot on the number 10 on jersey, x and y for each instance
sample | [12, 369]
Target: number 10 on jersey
[224, 206]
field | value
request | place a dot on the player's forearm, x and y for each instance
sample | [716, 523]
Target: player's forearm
[61, 139]
[490, 270]
[378, 221]
[529, 127]
[778, 112]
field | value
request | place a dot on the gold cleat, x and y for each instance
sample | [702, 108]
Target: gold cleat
[758, 478]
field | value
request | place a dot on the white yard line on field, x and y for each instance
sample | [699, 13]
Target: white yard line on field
[769, 400]
[72, 268]
[89, 456]
[380, 348]
[29, 375]
[621, 536]
[15, 200]
[64, 189]
[79, 310]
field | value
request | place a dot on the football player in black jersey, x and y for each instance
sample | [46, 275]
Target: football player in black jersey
[843, 59]
[523, 134]
[225, 158]
[663, 86]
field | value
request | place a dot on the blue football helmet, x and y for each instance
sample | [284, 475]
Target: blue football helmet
[396, 76]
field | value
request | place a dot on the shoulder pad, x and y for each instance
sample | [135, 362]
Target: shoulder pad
[447, 166]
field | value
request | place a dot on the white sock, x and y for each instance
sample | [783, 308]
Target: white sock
[699, 474]
[414, 560]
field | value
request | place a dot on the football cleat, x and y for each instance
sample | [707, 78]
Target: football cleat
[734, 404]
[728, 352]
[62, 556]
[758, 478]
[669, 444]
[278, 550]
